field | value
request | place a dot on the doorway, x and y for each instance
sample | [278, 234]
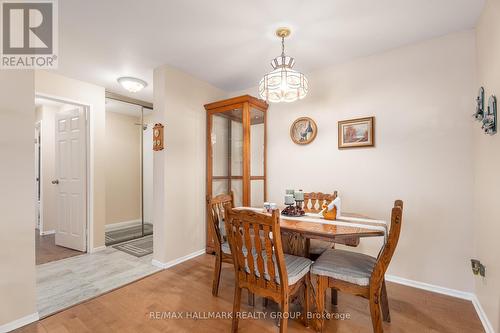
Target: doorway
[61, 179]
[129, 176]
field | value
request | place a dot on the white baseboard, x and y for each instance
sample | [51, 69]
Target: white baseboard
[447, 291]
[97, 249]
[120, 225]
[488, 327]
[430, 287]
[19, 322]
[165, 265]
[48, 232]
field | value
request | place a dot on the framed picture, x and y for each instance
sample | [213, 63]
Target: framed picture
[356, 133]
[303, 131]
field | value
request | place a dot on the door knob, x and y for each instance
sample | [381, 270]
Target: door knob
[55, 182]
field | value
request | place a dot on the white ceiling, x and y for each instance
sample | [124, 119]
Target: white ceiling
[229, 43]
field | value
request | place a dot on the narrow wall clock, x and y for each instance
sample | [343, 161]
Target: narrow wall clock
[158, 137]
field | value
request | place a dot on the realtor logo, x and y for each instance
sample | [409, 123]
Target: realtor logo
[29, 34]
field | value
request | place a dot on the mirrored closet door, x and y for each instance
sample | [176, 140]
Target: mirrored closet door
[129, 171]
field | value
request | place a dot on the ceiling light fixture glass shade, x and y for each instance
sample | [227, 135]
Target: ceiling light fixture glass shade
[132, 84]
[283, 84]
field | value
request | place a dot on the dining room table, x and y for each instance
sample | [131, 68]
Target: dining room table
[346, 229]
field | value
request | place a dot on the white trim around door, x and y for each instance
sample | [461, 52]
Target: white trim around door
[89, 162]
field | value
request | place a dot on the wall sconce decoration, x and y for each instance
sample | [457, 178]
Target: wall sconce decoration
[158, 137]
[479, 105]
[490, 117]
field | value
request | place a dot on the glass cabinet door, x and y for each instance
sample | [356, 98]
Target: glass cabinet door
[257, 157]
[227, 153]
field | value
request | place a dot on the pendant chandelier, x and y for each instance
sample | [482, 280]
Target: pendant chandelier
[283, 84]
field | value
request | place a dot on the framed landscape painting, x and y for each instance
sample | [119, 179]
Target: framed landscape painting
[356, 133]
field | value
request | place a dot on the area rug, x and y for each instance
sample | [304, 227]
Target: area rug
[137, 247]
[128, 233]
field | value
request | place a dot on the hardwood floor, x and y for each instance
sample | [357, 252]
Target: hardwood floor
[46, 249]
[187, 287]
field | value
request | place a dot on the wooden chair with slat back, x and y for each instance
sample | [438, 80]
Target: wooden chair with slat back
[260, 264]
[313, 203]
[360, 274]
[222, 252]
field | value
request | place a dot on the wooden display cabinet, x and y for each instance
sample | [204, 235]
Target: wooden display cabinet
[236, 152]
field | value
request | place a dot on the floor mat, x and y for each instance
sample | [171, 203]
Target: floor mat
[137, 247]
[128, 233]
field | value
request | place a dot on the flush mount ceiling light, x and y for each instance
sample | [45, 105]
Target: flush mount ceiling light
[132, 84]
[283, 84]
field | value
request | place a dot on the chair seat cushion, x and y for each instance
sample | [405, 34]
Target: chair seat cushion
[345, 265]
[225, 248]
[318, 246]
[296, 268]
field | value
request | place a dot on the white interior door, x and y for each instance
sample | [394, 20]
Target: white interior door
[70, 179]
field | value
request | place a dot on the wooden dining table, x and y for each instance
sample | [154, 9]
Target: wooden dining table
[296, 234]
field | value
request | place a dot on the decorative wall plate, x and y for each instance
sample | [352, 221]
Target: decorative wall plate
[303, 131]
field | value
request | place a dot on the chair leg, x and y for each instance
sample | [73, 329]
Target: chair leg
[217, 269]
[322, 283]
[335, 297]
[307, 306]
[285, 314]
[384, 302]
[251, 298]
[236, 308]
[375, 311]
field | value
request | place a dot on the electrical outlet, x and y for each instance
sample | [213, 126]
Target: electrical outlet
[477, 267]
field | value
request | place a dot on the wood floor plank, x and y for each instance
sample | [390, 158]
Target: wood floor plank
[187, 287]
[46, 249]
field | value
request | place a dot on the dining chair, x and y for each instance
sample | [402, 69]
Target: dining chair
[360, 274]
[313, 203]
[222, 250]
[261, 266]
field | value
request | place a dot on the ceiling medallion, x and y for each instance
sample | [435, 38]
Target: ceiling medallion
[283, 84]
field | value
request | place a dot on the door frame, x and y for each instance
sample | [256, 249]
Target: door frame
[89, 145]
[39, 161]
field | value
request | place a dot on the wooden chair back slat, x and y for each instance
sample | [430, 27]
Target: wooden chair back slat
[314, 201]
[256, 264]
[259, 250]
[250, 259]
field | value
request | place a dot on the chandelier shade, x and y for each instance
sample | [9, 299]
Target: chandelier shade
[283, 84]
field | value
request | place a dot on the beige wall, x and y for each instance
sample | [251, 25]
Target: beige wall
[55, 85]
[486, 167]
[179, 170]
[49, 194]
[421, 97]
[17, 195]
[123, 168]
